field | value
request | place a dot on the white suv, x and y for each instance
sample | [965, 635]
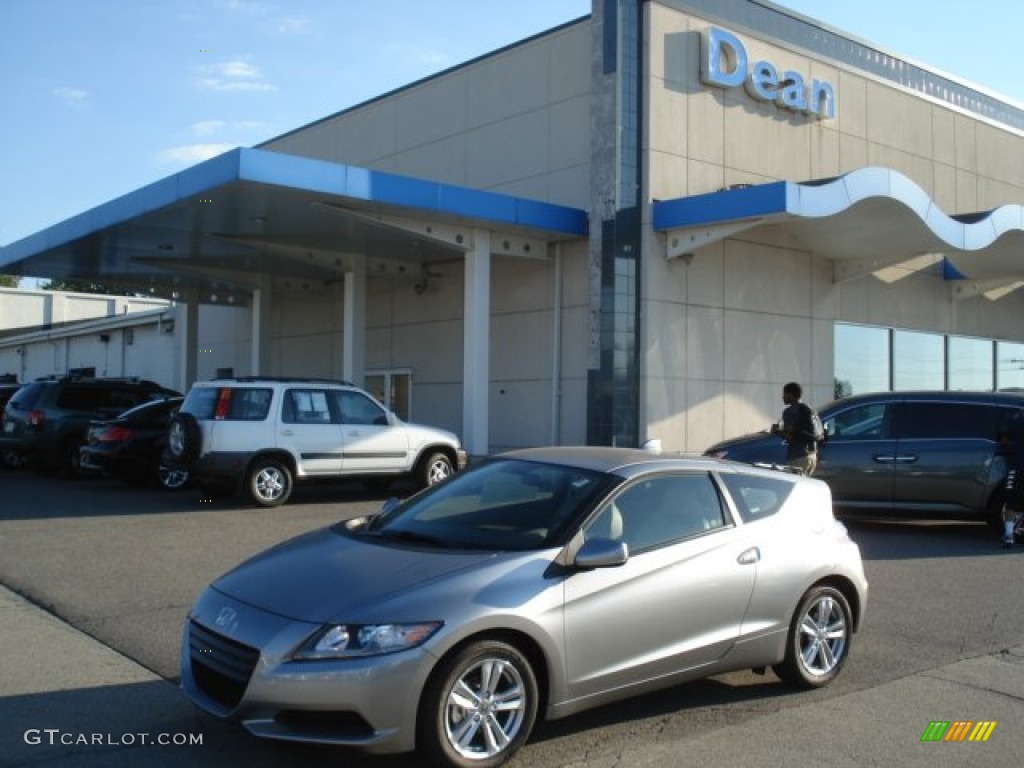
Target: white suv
[262, 434]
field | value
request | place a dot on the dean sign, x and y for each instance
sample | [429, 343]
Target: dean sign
[724, 63]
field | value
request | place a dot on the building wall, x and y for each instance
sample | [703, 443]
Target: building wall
[724, 332]
[23, 308]
[516, 121]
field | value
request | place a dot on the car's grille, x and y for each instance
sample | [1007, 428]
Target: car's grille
[220, 667]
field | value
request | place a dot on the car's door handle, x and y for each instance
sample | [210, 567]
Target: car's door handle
[906, 459]
[287, 432]
[749, 556]
[884, 459]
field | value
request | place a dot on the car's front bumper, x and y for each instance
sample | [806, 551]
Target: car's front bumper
[369, 703]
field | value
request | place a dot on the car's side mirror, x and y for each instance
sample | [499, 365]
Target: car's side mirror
[601, 553]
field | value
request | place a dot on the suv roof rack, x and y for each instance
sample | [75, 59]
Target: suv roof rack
[283, 379]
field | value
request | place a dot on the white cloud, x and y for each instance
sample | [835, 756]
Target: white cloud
[190, 154]
[204, 128]
[241, 69]
[293, 26]
[207, 127]
[237, 75]
[73, 97]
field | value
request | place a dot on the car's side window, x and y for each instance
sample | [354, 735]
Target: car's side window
[924, 420]
[864, 422]
[756, 497]
[357, 408]
[657, 511]
[306, 406]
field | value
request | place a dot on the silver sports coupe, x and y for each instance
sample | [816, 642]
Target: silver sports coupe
[538, 583]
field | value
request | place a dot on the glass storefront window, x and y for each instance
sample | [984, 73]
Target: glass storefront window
[919, 360]
[970, 364]
[861, 359]
[1010, 370]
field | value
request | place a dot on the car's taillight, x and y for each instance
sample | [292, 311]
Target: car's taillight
[36, 418]
[112, 435]
[223, 399]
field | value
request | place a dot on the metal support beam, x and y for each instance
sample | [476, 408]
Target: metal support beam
[993, 290]
[691, 239]
[476, 345]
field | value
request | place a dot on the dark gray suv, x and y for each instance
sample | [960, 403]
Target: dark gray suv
[45, 421]
[905, 454]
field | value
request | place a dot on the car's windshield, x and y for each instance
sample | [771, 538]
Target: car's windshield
[504, 504]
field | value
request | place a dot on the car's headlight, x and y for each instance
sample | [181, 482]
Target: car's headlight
[342, 641]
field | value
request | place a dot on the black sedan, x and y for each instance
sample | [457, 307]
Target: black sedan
[130, 446]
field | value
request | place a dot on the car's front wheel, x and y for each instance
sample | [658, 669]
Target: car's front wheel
[269, 483]
[435, 468]
[819, 639]
[479, 706]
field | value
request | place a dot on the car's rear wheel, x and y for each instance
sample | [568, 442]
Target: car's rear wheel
[994, 510]
[183, 437]
[172, 478]
[435, 468]
[819, 639]
[269, 482]
[478, 707]
[12, 459]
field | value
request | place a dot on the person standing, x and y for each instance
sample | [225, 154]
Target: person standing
[1011, 445]
[797, 428]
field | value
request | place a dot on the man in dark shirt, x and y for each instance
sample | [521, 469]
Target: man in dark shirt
[1012, 447]
[798, 431]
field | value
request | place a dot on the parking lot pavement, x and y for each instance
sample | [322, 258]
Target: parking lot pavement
[68, 706]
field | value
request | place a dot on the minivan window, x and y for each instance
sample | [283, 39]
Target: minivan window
[922, 420]
[863, 422]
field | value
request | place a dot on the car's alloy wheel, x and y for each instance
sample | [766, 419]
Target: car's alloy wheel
[183, 437]
[436, 467]
[819, 639]
[172, 478]
[479, 707]
[270, 483]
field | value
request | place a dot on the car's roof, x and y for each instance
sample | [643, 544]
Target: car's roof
[627, 462]
[925, 395]
[257, 380]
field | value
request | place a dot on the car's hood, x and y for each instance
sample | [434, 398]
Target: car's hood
[750, 437]
[325, 576]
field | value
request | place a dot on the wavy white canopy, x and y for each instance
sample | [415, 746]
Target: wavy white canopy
[872, 214]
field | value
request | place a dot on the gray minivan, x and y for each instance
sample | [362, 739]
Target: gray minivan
[905, 454]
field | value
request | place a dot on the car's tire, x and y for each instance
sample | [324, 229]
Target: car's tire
[269, 482]
[478, 706]
[819, 639]
[172, 478]
[183, 438]
[994, 510]
[12, 459]
[71, 457]
[434, 468]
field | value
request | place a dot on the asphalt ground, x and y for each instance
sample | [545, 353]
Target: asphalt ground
[96, 579]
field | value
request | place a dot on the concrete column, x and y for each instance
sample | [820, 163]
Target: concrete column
[262, 298]
[186, 328]
[476, 334]
[353, 360]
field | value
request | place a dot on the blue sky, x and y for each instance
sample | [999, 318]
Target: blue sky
[99, 97]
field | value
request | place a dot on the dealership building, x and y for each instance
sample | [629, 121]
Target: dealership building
[638, 225]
